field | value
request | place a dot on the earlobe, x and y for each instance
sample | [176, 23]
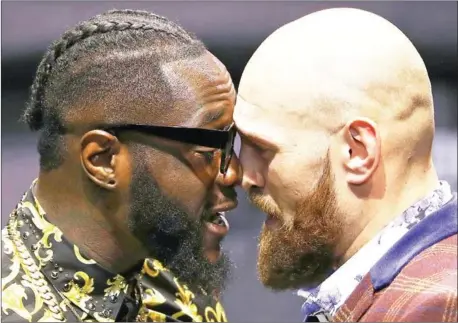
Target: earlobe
[99, 150]
[363, 150]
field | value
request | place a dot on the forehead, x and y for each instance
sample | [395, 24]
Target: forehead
[281, 130]
[256, 121]
[202, 89]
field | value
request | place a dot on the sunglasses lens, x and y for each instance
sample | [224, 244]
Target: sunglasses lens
[227, 153]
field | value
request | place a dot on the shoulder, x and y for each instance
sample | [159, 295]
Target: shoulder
[14, 294]
[426, 288]
[23, 296]
[438, 259]
[8, 253]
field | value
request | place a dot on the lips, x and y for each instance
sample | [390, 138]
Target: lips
[272, 222]
[217, 224]
[216, 221]
[217, 227]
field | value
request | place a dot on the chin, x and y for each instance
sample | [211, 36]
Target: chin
[289, 268]
[284, 283]
[213, 255]
[212, 245]
[289, 280]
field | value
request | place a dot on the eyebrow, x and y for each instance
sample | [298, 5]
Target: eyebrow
[256, 140]
[212, 116]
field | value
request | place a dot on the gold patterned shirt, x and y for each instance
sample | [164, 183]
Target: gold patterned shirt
[45, 278]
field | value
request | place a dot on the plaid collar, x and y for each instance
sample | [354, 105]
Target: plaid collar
[323, 301]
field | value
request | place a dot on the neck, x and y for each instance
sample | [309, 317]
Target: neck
[379, 213]
[95, 232]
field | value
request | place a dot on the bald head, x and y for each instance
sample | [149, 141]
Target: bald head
[330, 66]
[336, 118]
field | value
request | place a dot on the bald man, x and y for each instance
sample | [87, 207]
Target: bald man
[336, 116]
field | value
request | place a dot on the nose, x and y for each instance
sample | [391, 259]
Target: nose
[252, 166]
[248, 181]
[233, 176]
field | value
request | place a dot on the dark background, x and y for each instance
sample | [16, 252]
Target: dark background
[232, 31]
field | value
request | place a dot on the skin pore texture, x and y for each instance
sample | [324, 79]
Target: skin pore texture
[335, 112]
[137, 195]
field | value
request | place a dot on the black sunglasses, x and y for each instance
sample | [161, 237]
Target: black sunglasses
[220, 139]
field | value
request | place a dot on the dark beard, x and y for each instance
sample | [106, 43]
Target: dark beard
[172, 236]
[301, 255]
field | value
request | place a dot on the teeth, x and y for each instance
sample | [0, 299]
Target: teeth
[218, 218]
[223, 218]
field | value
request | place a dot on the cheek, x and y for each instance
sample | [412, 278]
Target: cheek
[179, 183]
[339, 173]
[124, 169]
[290, 178]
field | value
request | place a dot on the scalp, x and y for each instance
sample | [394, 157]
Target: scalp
[333, 65]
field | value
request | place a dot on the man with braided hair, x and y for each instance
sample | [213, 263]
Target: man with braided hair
[136, 162]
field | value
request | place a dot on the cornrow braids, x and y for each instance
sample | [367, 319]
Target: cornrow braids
[147, 14]
[78, 67]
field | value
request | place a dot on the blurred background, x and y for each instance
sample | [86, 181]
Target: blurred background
[232, 31]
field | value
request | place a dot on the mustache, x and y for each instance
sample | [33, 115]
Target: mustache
[229, 193]
[264, 203]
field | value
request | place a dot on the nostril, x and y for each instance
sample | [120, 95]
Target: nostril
[249, 182]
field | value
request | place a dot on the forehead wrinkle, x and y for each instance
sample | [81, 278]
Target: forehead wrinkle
[200, 75]
[221, 93]
[205, 82]
[217, 89]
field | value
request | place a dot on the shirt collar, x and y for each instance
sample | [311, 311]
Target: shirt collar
[332, 293]
[96, 293]
[79, 280]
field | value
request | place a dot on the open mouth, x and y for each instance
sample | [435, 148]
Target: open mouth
[272, 222]
[217, 223]
[218, 218]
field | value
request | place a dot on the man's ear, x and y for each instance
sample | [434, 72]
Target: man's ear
[99, 150]
[362, 150]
